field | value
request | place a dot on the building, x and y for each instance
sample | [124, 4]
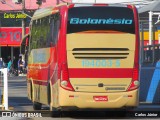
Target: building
[11, 24]
[145, 20]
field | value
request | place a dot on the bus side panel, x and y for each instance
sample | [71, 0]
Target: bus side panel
[61, 58]
[29, 89]
[40, 71]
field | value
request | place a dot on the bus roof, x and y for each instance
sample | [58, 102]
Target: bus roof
[42, 13]
[46, 11]
[98, 4]
[53, 9]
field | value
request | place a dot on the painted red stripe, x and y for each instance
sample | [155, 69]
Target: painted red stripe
[100, 73]
[43, 83]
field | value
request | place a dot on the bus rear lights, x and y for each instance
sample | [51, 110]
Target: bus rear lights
[128, 96]
[64, 83]
[134, 85]
[73, 96]
[100, 5]
[135, 82]
[135, 74]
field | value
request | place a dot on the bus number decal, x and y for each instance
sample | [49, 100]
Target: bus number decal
[100, 63]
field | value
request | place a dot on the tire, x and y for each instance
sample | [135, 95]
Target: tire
[37, 106]
[130, 109]
[55, 112]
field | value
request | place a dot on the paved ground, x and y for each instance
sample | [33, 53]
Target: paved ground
[20, 103]
[18, 94]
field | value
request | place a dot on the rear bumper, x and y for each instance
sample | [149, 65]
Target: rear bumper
[85, 100]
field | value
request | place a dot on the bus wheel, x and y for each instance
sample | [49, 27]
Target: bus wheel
[130, 109]
[37, 106]
[55, 113]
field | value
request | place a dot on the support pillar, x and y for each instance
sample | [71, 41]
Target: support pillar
[23, 22]
[150, 27]
[142, 43]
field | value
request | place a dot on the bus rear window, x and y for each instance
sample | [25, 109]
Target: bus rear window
[96, 18]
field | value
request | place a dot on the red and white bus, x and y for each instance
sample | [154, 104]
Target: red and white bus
[84, 56]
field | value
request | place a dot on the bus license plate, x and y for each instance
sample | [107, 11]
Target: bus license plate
[100, 98]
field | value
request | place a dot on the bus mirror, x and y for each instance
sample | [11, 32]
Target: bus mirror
[25, 43]
[25, 40]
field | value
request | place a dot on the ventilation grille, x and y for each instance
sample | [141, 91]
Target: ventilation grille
[100, 53]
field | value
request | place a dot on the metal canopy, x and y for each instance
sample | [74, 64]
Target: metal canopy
[154, 7]
[154, 11]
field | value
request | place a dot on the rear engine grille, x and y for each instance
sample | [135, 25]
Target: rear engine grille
[100, 53]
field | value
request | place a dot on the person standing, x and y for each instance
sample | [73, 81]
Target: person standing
[15, 65]
[20, 65]
[9, 64]
[1, 63]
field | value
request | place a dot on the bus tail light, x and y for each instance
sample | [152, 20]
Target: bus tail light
[135, 80]
[65, 83]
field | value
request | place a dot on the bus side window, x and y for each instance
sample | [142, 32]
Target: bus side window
[44, 32]
[49, 42]
[33, 37]
[39, 32]
[54, 30]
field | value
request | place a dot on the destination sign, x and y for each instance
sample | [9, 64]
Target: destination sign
[100, 21]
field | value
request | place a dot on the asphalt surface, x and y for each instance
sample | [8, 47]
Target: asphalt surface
[18, 94]
[19, 103]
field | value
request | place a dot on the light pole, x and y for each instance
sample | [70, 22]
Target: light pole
[23, 22]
